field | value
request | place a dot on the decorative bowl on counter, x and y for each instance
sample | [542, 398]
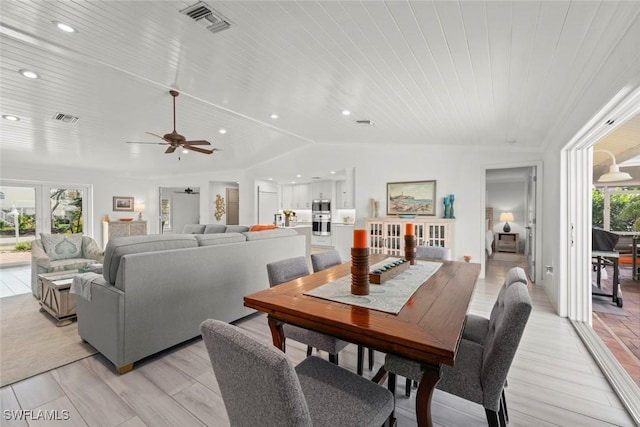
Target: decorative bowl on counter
[406, 216]
[126, 219]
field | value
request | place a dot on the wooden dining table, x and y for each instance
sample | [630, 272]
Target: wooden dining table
[427, 329]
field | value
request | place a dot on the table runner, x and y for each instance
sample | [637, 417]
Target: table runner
[389, 297]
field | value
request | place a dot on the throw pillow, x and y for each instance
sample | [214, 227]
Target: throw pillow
[62, 246]
[262, 227]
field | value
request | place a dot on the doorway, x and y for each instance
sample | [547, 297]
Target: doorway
[233, 206]
[179, 206]
[511, 195]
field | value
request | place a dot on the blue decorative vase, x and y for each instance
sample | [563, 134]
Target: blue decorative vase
[451, 211]
[447, 208]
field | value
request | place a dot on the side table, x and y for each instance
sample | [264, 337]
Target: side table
[56, 299]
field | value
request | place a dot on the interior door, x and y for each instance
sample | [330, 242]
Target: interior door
[185, 209]
[233, 206]
[530, 235]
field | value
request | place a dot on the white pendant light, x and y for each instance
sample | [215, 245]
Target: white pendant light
[614, 173]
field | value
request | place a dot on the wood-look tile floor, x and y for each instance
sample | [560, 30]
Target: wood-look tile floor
[553, 381]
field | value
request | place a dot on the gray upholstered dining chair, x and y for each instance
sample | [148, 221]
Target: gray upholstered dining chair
[480, 372]
[434, 252]
[290, 269]
[321, 261]
[260, 386]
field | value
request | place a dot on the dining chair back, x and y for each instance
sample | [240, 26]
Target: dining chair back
[259, 386]
[323, 260]
[293, 268]
[434, 252]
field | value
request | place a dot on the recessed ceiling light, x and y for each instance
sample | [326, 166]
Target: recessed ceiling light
[293, 182]
[29, 74]
[270, 179]
[10, 118]
[274, 116]
[64, 27]
[346, 112]
[222, 131]
[332, 172]
[298, 176]
[185, 151]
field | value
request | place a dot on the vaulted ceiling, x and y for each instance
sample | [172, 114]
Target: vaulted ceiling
[483, 74]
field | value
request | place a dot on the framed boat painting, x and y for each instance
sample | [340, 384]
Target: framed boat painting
[406, 199]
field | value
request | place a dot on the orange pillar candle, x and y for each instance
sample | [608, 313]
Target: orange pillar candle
[359, 238]
[408, 229]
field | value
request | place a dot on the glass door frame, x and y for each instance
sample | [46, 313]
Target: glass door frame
[43, 203]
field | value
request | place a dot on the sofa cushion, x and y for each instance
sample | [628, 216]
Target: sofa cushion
[215, 228]
[269, 234]
[237, 228]
[219, 238]
[62, 246]
[193, 229]
[116, 248]
[263, 227]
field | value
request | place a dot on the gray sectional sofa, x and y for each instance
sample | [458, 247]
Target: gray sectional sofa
[156, 290]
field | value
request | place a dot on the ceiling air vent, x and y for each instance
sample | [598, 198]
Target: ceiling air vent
[65, 118]
[204, 15]
[365, 122]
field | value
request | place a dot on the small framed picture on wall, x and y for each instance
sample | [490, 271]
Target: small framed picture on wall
[123, 204]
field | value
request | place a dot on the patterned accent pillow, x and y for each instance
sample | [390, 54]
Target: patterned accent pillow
[62, 246]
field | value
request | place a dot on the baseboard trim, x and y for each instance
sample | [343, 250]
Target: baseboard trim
[624, 386]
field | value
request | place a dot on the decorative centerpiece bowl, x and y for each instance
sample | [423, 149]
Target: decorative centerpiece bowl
[126, 219]
[407, 216]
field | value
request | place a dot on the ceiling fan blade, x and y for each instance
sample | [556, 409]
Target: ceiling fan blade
[197, 142]
[157, 136]
[170, 150]
[142, 142]
[199, 150]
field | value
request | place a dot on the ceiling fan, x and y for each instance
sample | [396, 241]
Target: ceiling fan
[174, 140]
[187, 190]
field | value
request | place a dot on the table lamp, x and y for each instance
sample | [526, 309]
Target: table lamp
[506, 217]
[139, 207]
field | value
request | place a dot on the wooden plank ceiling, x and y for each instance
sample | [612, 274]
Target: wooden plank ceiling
[446, 73]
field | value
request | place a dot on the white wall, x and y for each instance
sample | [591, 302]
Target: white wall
[460, 171]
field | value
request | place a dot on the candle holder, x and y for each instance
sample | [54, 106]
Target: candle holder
[360, 271]
[410, 248]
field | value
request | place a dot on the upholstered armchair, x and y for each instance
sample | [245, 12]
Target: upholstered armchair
[60, 252]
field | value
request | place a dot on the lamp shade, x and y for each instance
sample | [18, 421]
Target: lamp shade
[614, 173]
[506, 216]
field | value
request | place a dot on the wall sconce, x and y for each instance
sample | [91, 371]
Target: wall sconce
[506, 217]
[614, 173]
[139, 207]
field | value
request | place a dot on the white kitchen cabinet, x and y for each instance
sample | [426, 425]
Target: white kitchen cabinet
[386, 235]
[322, 190]
[286, 197]
[295, 196]
[301, 197]
[345, 191]
[344, 196]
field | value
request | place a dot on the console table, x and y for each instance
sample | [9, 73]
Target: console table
[115, 229]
